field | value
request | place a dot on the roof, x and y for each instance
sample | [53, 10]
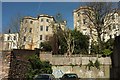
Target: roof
[29, 17]
[41, 15]
[83, 7]
[45, 15]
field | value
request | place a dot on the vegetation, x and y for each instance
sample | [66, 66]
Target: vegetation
[91, 64]
[97, 64]
[37, 66]
[107, 52]
[80, 42]
[45, 46]
[66, 40]
[101, 9]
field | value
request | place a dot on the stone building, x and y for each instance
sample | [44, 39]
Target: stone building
[111, 25]
[9, 41]
[1, 42]
[119, 19]
[83, 23]
[33, 31]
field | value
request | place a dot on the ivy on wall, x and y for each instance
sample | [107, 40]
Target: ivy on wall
[91, 64]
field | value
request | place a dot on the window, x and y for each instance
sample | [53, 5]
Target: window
[109, 27]
[115, 35]
[41, 20]
[8, 45]
[110, 36]
[40, 37]
[47, 20]
[41, 28]
[30, 30]
[84, 21]
[14, 37]
[14, 45]
[8, 38]
[31, 22]
[78, 14]
[46, 28]
[24, 39]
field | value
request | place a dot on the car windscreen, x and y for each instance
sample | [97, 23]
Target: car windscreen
[71, 76]
[43, 77]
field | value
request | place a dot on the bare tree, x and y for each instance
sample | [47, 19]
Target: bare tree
[101, 9]
[59, 30]
[70, 41]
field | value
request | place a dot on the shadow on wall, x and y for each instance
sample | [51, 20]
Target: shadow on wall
[115, 57]
[19, 63]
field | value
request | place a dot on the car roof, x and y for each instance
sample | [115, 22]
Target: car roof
[45, 74]
[70, 73]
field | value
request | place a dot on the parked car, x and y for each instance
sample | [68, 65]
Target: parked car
[69, 76]
[45, 77]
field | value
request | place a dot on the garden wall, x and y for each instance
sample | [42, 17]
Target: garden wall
[77, 64]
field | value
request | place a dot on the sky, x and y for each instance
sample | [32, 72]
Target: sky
[12, 9]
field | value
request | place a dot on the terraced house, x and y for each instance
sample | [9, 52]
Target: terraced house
[9, 41]
[111, 25]
[83, 23]
[33, 31]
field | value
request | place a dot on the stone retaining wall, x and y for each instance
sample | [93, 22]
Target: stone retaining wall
[78, 64]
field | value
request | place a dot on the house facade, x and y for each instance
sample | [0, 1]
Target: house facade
[83, 23]
[111, 26]
[33, 31]
[9, 41]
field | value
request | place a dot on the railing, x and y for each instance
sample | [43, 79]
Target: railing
[78, 55]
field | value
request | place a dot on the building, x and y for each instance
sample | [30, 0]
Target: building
[1, 42]
[119, 19]
[111, 25]
[33, 31]
[9, 41]
[83, 23]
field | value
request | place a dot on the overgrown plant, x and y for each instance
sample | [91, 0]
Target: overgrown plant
[107, 52]
[91, 64]
[97, 64]
[36, 66]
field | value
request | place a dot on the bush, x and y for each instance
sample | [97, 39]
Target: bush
[107, 52]
[37, 66]
[46, 46]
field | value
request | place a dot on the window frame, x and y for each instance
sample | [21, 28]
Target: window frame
[47, 20]
[41, 28]
[41, 37]
[47, 28]
[30, 30]
[41, 20]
